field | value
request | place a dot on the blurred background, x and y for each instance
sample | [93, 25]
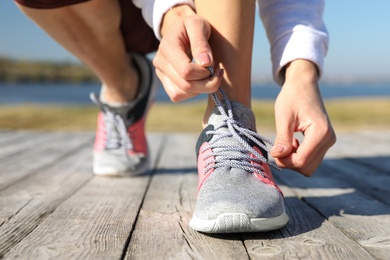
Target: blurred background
[41, 80]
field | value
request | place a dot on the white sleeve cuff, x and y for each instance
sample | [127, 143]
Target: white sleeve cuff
[295, 30]
[303, 43]
[161, 7]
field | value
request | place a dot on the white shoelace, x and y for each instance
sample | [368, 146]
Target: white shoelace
[225, 157]
[116, 130]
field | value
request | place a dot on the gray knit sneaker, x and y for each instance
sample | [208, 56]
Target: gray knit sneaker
[120, 146]
[237, 192]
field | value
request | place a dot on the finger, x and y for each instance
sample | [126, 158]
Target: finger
[303, 165]
[316, 143]
[295, 145]
[179, 90]
[284, 137]
[207, 85]
[175, 94]
[180, 63]
[308, 155]
[198, 32]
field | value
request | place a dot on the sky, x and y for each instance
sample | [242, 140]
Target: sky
[358, 29]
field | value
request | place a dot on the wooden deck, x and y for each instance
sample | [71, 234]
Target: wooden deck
[51, 206]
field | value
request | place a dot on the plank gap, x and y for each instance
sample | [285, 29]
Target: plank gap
[151, 174]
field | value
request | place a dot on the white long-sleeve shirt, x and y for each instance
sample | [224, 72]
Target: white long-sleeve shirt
[154, 10]
[295, 29]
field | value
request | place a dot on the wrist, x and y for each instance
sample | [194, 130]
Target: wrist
[173, 14]
[302, 70]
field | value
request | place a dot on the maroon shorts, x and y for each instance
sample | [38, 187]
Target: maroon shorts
[137, 35]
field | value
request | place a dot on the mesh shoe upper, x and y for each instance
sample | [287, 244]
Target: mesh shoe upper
[234, 174]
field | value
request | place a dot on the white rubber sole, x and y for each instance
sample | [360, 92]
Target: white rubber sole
[238, 223]
[111, 171]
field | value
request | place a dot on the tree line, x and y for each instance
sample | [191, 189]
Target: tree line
[27, 71]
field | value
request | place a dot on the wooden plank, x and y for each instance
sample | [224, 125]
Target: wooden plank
[46, 152]
[360, 144]
[29, 144]
[361, 176]
[320, 235]
[375, 136]
[94, 223]
[8, 136]
[32, 143]
[380, 164]
[21, 144]
[27, 203]
[359, 216]
[377, 145]
[308, 235]
[62, 211]
[162, 230]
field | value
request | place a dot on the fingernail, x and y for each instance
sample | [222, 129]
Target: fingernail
[277, 148]
[204, 58]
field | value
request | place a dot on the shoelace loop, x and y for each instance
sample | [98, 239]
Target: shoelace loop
[226, 159]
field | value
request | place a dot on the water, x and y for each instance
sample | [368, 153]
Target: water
[68, 94]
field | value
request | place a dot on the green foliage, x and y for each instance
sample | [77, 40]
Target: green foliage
[12, 70]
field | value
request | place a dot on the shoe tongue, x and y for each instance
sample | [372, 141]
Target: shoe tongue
[122, 110]
[242, 114]
[245, 118]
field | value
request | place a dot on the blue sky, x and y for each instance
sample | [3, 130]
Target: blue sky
[359, 40]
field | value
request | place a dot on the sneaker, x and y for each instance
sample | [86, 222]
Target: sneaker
[120, 146]
[236, 191]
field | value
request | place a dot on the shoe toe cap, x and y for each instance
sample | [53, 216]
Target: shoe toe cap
[238, 192]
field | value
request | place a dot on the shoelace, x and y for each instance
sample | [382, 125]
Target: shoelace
[117, 135]
[225, 158]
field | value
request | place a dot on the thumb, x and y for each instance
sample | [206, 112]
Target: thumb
[198, 31]
[283, 142]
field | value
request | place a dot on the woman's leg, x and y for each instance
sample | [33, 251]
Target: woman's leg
[231, 41]
[91, 32]
[232, 164]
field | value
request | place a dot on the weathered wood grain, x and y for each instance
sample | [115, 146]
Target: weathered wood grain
[28, 202]
[380, 164]
[162, 230]
[358, 215]
[93, 223]
[361, 144]
[9, 136]
[24, 144]
[308, 235]
[51, 205]
[31, 160]
[362, 176]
